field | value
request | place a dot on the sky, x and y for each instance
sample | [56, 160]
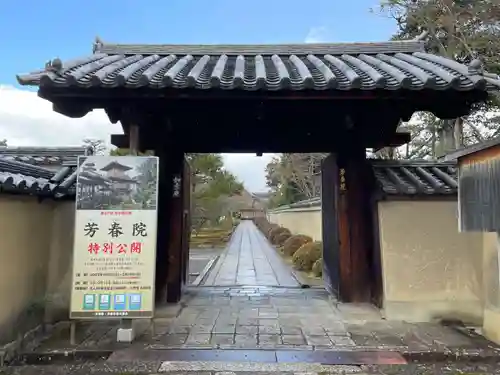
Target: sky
[34, 32]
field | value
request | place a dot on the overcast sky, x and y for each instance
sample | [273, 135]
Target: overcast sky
[27, 120]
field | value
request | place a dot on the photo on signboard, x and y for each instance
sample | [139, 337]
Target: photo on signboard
[117, 183]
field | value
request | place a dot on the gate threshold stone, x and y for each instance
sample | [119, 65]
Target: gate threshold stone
[252, 367]
[62, 357]
[330, 357]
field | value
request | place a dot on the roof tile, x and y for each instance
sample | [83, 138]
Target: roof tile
[415, 178]
[407, 178]
[365, 66]
[43, 156]
[27, 170]
[23, 183]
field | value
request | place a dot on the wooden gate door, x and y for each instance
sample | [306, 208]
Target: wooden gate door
[186, 221]
[347, 229]
[330, 230]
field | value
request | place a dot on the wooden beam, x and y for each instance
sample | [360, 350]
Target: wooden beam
[162, 237]
[186, 221]
[355, 255]
[330, 224]
[70, 110]
[134, 140]
[347, 233]
[395, 140]
[120, 140]
[252, 141]
[176, 258]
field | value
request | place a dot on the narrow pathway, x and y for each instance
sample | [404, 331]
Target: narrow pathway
[249, 259]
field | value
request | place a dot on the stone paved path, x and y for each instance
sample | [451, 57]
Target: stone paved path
[277, 318]
[253, 318]
[271, 326]
[250, 260]
[254, 308]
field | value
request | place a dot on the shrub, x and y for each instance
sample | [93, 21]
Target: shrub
[274, 233]
[263, 224]
[306, 255]
[270, 230]
[293, 243]
[280, 238]
[260, 222]
[317, 268]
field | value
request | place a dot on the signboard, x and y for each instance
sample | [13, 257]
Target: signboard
[114, 253]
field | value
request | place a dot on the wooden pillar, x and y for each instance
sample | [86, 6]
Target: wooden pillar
[173, 220]
[134, 139]
[347, 229]
[186, 221]
[356, 231]
[176, 227]
[162, 240]
[330, 226]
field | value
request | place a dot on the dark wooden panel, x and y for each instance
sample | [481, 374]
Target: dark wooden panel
[164, 201]
[186, 221]
[479, 193]
[347, 225]
[175, 247]
[358, 255]
[344, 247]
[330, 229]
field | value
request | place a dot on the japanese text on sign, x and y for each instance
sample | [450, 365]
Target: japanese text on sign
[115, 238]
[115, 229]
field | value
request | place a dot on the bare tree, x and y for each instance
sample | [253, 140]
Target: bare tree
[303, 171]
[98, 145]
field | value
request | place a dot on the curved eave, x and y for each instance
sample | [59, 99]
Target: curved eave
[343, 70]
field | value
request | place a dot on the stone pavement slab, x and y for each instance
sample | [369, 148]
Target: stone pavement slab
[274, 318]
[250, 259]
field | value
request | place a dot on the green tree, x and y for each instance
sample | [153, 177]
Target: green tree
[211, 186]
[147, 176]
[293, 177]
[3, 143]
[126, 152]
[463, 30]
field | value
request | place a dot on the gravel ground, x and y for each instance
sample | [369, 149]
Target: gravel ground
[102, 368]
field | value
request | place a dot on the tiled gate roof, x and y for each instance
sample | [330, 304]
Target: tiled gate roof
[25, 178]
[407, 178]
[43, 156]
[40, 171]
[364, 66]
[415, 177]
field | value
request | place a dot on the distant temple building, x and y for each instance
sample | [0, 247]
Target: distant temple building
[117, 174]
